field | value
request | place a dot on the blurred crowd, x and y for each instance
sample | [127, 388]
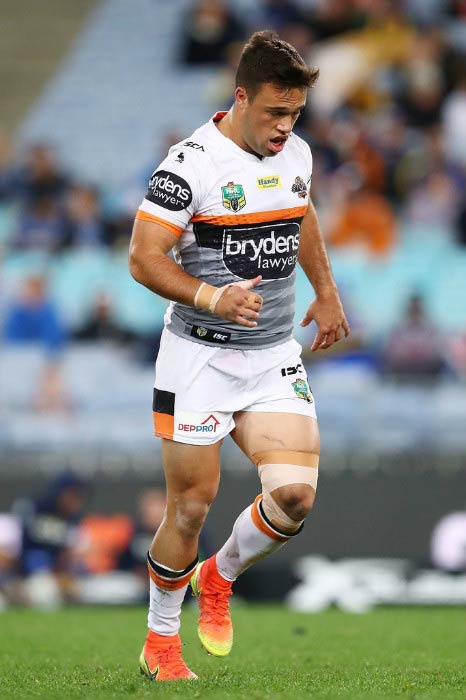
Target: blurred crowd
[55, 550]
[386, 122]
[387, 128]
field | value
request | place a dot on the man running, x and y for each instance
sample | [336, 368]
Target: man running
[232, 202]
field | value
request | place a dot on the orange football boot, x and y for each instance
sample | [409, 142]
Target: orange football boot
[161, 659]
[212, 591]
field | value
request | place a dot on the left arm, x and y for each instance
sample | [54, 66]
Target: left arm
[326, 309]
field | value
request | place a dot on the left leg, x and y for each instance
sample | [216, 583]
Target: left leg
[285, 448]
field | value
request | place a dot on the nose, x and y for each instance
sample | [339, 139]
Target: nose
[286, 125]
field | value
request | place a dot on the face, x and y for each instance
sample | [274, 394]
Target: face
[267, 119]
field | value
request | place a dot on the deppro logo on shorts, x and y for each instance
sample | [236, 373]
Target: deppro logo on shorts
[169, 191]
[196, 424]
[270, 250]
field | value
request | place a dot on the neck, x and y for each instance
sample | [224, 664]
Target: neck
[230, 126]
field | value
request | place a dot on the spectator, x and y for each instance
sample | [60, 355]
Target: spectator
[434, 202]
[334, 17]
[41, 175]
[414, 349]
[277, 14]
[40, 227]
[151, 511]
[423, 81]
[101, 324]
[210, 28]
[83, 224]
[99, 542]
[365, 219]
[33, 318]
[49, 527]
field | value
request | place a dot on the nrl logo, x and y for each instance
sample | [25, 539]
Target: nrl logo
[233, 197]
[302, 390]
[201, 332]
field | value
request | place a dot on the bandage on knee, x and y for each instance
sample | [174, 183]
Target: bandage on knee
[278, 468]
[277, 516]
[284, 467]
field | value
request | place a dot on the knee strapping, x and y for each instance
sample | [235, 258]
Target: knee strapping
[279, 468]
[277, 516]
[285, 467]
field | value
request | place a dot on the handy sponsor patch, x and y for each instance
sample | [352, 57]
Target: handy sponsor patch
[268, 182]
[169, 191]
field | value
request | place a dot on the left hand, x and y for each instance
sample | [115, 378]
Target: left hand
[330, 319]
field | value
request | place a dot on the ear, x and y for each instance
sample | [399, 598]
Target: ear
[241, 97]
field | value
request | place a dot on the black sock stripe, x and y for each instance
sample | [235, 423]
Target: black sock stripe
[166, 573]
[275, 528]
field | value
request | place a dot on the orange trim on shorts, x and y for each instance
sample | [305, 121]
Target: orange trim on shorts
[261, 525]
[164, 425]
[173, 228]
[168, 584]
[253, 218]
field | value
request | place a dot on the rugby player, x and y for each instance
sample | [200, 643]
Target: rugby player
[232, 203]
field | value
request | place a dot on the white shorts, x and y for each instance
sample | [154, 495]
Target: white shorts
[198, 388]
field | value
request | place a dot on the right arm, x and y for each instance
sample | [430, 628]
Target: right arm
[151, 266]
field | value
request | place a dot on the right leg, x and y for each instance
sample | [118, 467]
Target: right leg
[192, 475]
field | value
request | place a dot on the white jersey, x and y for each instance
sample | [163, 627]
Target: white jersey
[236, 216]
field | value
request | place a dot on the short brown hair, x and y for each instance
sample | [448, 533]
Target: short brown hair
[268, 59]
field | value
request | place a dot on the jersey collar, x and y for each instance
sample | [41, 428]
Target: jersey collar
[229, 143]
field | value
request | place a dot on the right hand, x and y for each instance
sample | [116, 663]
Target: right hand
[240, 305]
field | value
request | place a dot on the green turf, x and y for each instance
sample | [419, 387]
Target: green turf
[92, 653]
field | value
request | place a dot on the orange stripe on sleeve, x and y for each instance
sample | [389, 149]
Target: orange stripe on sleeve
[144, 216]
[164, 425]
[253, 218]
[261, 525]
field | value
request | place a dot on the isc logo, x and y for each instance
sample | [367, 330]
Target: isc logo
[289, 371]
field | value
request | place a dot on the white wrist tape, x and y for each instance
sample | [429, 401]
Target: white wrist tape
[196, 296]
[215, 297]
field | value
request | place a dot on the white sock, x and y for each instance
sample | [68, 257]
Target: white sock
[165, 609]
[248, 542]
[167, 591]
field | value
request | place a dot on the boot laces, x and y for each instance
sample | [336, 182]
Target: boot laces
[217, 606]
[169, 655]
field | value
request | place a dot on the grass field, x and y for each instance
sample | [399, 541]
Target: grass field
[92, 653]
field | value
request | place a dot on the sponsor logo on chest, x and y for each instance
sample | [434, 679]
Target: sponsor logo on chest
[269, 250]
[268, 182]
